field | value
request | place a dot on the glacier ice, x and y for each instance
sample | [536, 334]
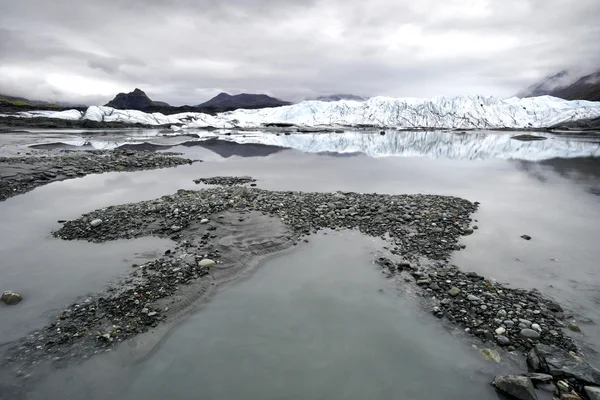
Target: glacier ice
[462, 112]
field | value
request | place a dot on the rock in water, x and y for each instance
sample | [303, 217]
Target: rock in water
[563, 364]
[519, 387]
[593, 393]
[11, 298]
[526, 237]
[206, 263]
[96, 222]
[491, 354]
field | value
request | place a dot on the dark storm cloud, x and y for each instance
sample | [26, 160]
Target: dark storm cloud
[184, 51]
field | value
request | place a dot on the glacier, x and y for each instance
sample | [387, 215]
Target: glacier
[462, 112]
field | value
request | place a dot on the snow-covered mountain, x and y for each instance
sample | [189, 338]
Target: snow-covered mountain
[463, 112]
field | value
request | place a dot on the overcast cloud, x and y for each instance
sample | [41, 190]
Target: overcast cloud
[186, 51]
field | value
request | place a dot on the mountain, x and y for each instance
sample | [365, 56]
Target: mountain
[338, 97]
[136, 100]
[567, 86]
[227, 102]
[461, 112]
[15, 104]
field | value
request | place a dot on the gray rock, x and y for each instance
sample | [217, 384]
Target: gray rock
[502, 340]
[519, 387]
[500, 331]
[562, 364]
[454, 291]
[94, 223]
[502, 313]
[473, 298]
[434, 286]
[540, 378]
[529, 333]
[206, 263]
[11, 298]
[526, 237]
[593, 393]
[204, 221]
[525, 322]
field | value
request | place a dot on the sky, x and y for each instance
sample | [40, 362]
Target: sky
[186, 51]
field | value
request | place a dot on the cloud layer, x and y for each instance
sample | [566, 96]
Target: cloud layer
[185, 51]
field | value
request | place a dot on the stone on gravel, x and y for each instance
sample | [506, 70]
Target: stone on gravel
[454, 291]
[206, 263]
[519, 387]
[473, 298]
[11, 298]
[502, 340]
[593, 393]
[500, 331]
[96, 222]
[529, 333]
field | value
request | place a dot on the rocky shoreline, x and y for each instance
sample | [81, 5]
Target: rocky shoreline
[21, 174]
[221, 231]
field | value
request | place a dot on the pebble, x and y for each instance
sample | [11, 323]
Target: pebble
[500, 331]
[204, 221]
[454, 291]
[536, 327]
[96, 222]
[473, 298]
[502, 340]
[207, 262]
[529, 333]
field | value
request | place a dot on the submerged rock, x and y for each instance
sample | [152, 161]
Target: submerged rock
[11, 298]
[526, 237]
[491, 354]
[519, 387]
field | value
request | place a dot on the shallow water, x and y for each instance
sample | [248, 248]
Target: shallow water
[555, 200]
[321, 322]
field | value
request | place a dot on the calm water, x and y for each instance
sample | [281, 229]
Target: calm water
[319, 323]
[553, 197]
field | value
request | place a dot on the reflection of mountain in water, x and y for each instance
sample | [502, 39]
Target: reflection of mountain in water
[227, 149]
[583, 170]
[470, 146]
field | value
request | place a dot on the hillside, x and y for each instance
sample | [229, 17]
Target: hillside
[566, 86]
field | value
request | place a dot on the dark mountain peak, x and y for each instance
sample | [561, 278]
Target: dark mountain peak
[567, 85]
[136, 100]
[226, 102]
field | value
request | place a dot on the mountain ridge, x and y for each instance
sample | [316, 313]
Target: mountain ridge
[566, 86]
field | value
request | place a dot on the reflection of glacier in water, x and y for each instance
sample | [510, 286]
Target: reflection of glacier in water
[469, 146]
[434, 144]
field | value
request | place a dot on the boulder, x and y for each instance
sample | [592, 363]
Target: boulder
[563, 364]
[519, 387]
[11, 298]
